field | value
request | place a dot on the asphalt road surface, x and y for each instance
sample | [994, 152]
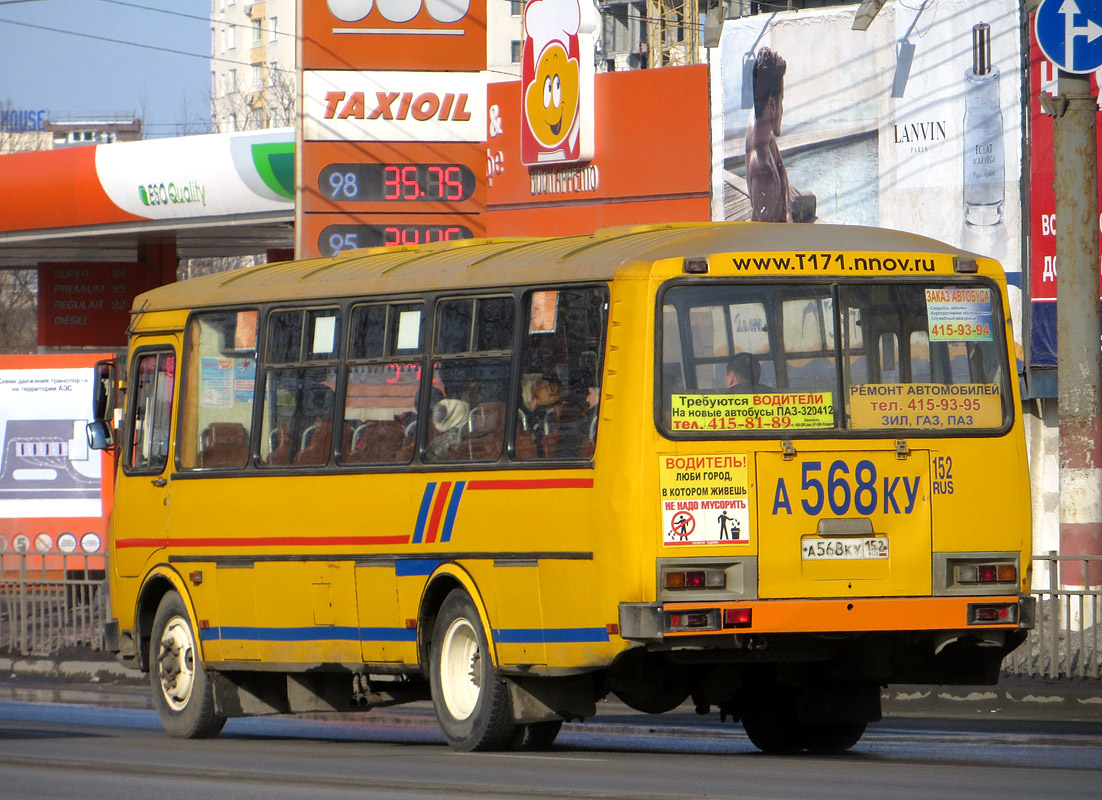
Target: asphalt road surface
[81, 750]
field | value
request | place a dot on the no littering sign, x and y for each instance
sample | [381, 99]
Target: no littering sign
[705, 499]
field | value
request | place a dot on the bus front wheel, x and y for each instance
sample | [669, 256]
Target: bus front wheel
[471, 701]
[182, 692]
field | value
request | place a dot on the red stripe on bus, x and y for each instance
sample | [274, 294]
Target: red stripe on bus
[437, 512]
[544, 483]
[293, 541]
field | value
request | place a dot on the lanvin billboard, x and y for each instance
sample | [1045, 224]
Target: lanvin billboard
[914, 124]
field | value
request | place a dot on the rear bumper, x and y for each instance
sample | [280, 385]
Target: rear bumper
[658, 622]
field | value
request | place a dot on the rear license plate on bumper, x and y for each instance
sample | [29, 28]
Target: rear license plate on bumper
[817, 549]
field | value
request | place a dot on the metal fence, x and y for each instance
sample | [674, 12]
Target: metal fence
[1065, 641]
[44, 611]
[51, 603]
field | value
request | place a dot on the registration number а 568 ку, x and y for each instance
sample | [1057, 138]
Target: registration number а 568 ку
[814, 549]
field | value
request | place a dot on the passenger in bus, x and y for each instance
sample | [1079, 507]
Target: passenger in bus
[743, 374]
[449, 421]
[578, 421]
[539, 434]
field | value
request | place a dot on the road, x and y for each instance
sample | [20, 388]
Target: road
[79, 750]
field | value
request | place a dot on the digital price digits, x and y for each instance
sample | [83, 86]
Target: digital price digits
[397, 182]
[335, 238]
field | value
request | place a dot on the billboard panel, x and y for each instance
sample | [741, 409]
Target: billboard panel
[55, 493]
[912, 124]
[1042, 211]
[651, 163]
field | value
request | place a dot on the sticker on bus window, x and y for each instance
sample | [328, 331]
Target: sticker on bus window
[545, 306]
[216, 382]
[325, 334]
[959, 314]
[705, 499]
[409, 330]
[925, 406]
[752, 412]
[244, 332]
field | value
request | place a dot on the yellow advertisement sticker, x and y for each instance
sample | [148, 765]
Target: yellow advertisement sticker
[925, 405]
[752, 412]
[705, 499]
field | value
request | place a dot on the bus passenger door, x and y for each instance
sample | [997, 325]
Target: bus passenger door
[141, 511]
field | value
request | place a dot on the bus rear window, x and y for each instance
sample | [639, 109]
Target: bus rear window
[769, 358]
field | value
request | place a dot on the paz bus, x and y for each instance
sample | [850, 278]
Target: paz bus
[744, 466]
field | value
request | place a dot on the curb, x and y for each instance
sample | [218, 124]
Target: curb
[75, 670]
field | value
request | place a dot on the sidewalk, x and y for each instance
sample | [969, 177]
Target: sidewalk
[1066, 701]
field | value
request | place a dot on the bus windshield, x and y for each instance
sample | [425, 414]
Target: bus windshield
[764, 358]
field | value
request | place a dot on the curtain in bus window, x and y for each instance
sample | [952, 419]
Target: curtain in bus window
[560, 388]
[152, 411]
[221, 379]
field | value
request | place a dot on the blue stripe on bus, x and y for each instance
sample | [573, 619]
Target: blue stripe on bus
[453, 509]
[416, 567]
[312, 634]
[550, 635]
[423, 512]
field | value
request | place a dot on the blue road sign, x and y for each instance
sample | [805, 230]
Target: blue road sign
[1070, 33]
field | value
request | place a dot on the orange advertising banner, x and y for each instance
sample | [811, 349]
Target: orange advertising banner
[652, 162]
[422, 35]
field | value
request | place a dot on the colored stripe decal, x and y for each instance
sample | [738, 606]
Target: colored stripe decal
[382, 634]
[550, 635]
[423, 512]
[545, 483]
[416, 567]
[437, 512]
[266, 541]
[334, 634]
[453, 509]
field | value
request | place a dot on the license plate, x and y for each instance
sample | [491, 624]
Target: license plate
[844, 549]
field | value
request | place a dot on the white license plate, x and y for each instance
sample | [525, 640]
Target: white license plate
[844, 549]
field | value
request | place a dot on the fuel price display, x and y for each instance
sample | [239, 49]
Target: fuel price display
[400, 183]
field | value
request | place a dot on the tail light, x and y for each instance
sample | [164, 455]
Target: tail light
[992, 613]
[986, 573]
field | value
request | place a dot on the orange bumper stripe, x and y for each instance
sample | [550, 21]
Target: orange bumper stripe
[851, 614]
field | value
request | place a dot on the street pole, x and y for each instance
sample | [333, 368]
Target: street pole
[1078, 325]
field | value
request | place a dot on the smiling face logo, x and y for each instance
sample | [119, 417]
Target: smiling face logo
[551, 102]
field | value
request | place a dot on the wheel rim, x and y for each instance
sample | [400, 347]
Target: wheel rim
[460, 669]
[176, 663]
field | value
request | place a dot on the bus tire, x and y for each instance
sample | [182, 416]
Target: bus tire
[771, 725]
[471, 701]
[536, 736]
[832, 738]
[182, 692]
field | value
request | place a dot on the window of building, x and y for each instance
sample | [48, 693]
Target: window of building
[272, 28]
[516, 7]
[258, 35]
[231, 37]
[516, 51]
[257, 77]
[231, 81]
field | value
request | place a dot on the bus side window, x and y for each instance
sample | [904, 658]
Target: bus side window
[151, 412]
[472, 356]
[217, 411]
[381, 391]
[560, 388]
[299, 400]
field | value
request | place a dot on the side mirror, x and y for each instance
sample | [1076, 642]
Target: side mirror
[100, 435]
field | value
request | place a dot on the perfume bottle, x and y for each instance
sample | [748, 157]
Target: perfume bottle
[984, 181]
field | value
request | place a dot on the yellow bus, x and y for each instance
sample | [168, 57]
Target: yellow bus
[763, 469]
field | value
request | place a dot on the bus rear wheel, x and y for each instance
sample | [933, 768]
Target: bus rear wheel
[471, 701]
[182, 692]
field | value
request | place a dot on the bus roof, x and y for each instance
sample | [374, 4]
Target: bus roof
[481, 263]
